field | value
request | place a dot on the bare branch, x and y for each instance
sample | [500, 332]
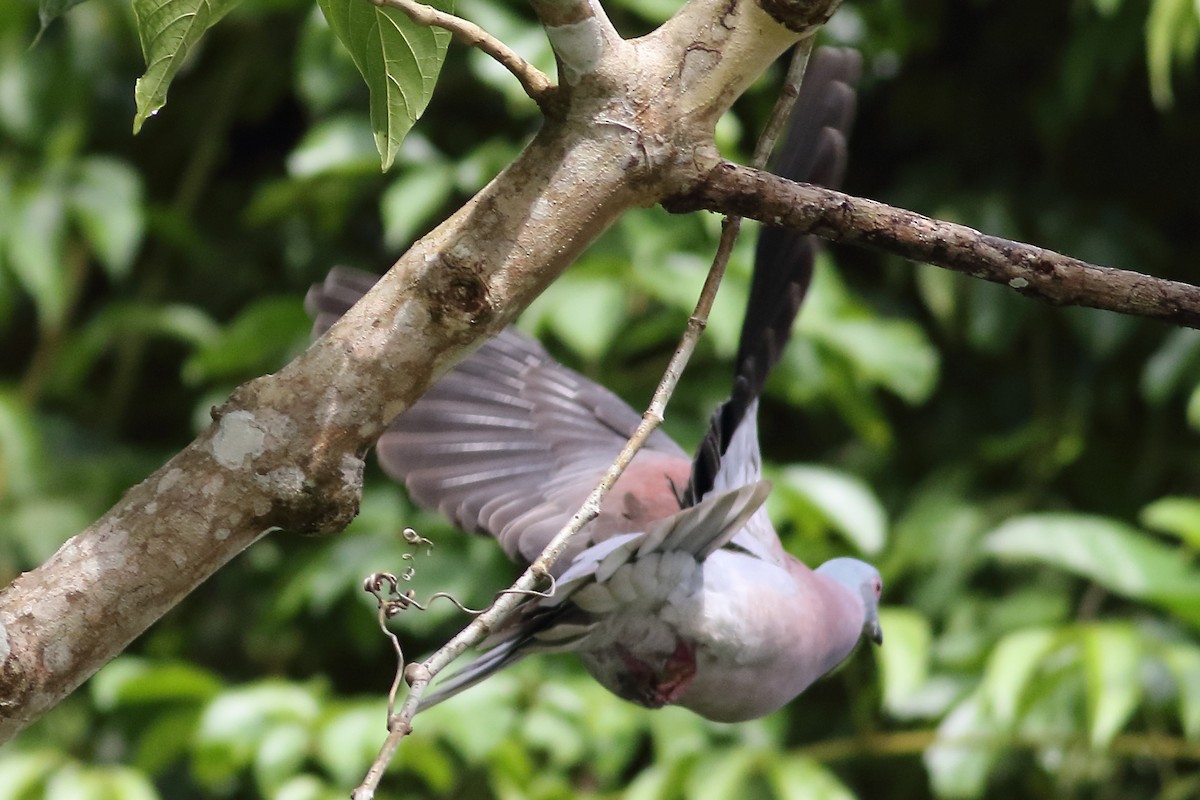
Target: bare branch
[1032, 271]
[285, 449]
[536, 84]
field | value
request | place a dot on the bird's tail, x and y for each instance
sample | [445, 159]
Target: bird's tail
[814, 152]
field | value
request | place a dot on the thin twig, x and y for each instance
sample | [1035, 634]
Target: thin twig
[784, 105]
[535, 82]
[420, 674]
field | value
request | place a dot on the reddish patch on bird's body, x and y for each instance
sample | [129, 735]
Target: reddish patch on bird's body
[653, 688]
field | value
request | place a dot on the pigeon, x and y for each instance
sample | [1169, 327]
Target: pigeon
[679, 592]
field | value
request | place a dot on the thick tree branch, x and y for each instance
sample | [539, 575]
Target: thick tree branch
[1032, 271]
[284, 451]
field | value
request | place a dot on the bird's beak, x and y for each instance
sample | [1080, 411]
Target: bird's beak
[875, 631]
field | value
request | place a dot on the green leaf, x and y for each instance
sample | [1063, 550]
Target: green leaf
[562, 741]
[407, 205]
[655, 782]
[792, 777]
[350, 738]
[21, 774]
[846, 502]
[939, 290]
[106, 200]
[586, 312]
[131, 681]
[1009, 669]
[904, 662]
[168, 29]
[280, 755]
[100, 783]
[1176, 362]
[1112, 655]
[125, 783]
[339, 145]
[398, 59]
[1178, 516]
[959, 761]
[325, 73]
[894, 354]
[120, 320]
[1192, 412]
[235, 724]
[457, 720]
[1171, 30]
[1184, 662]
[36, 236]
[307, 787]
[258, 339]
[167, 739]
[721, 775]
[21, 449]
[1109, 552]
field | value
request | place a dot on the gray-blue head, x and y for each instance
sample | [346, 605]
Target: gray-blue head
[862, 579]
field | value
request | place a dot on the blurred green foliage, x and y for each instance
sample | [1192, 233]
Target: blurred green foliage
[1025, 476]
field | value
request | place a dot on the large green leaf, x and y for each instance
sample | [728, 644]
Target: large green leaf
[904, 662]
[22, 773]
[106, 201]
[21, 448]
[130, 681]
[1111, 661]
[1178, 516]
[1118, 557]
[238, 722]
[339, 145]
[398, 59]
[721, 775]
[846, 502]
[803, 777]
[961, 759]
[168, 29]
[408, 204]
[36, 239]
[1171, 34]
[1184, 663]
[1012, 663]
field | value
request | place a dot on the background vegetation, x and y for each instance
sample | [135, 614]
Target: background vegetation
[1023, 475]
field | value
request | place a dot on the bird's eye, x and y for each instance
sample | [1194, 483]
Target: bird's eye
[878, 586]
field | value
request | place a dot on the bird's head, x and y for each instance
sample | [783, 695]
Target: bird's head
[863, 580]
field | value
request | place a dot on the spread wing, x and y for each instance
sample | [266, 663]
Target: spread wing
[510, 442]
